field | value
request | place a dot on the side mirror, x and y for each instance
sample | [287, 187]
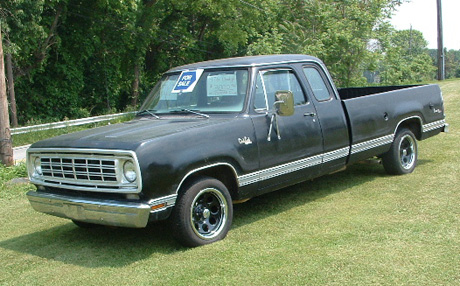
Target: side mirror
[284, 103]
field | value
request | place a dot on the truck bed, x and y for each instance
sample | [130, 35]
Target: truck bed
[352, 92]
[374, 114]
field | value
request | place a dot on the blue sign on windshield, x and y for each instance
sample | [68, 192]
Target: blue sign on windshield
[187, 81]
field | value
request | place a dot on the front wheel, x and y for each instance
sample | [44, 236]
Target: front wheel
[203, 213]
[402, 157]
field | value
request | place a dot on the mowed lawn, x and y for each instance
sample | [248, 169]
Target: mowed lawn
[357, 227]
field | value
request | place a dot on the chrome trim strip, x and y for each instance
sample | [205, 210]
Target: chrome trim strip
[374, 143]
[302, 61]
[88, 187]
[287, 168]
[169, 201]
[408, 118]
[203, 168]
[272, 172]
[336, 154]
[433, 125]
[106, 212]
[286, 62]
[279, 170]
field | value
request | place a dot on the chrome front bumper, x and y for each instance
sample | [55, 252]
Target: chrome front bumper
[446, 128]
[106, 212]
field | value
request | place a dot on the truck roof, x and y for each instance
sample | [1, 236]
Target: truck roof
[248, 61]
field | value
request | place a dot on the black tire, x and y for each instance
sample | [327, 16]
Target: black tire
[85, 224]
[203, 212]
[402, 157]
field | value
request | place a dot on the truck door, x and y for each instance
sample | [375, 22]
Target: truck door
[293, 154]
[331, 117]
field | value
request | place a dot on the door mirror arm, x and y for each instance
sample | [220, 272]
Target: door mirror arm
[283, 106]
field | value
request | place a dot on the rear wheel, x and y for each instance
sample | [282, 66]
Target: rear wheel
[402, 157]
[203, 213]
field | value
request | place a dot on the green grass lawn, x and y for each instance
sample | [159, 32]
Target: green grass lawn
[357, 227]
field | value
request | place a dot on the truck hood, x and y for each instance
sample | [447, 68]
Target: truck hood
[128, 135]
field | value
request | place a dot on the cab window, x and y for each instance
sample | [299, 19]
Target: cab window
[268, 82]
[317, 84]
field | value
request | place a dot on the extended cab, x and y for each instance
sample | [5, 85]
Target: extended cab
[215, 132]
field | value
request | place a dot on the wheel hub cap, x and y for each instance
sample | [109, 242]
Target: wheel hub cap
[209, 213]
[407, 153]
[206, 213]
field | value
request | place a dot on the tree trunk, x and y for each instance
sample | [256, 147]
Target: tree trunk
[11, 95]
[6, 148]
[135, 87]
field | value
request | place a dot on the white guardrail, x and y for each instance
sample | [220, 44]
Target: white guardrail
[67, 123]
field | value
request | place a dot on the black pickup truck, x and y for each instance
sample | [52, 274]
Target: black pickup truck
[216, 132]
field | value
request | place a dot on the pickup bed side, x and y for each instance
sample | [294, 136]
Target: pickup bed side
[375, 118]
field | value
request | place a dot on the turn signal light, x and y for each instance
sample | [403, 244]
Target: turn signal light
[155, 207]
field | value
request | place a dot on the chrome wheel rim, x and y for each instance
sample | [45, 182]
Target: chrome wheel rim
[208, 213]
[407, 152]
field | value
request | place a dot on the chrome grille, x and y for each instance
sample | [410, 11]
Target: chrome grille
[99, 170]
[89, 170]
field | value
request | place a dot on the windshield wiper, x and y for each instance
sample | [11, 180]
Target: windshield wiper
[191, 111]
[149, 112]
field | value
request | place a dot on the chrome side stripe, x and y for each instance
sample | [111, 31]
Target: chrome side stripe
[433, 125]
[366, 145]
[272, 172]
[287, 168]
[279, 170]
[336, 154]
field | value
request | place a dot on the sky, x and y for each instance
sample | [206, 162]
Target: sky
[421, 14]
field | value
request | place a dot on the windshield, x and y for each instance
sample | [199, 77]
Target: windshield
[206, 91]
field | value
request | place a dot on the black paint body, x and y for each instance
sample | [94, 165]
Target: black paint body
[179, 146]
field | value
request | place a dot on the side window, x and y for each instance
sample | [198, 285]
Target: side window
[317, 84]
[270, 81]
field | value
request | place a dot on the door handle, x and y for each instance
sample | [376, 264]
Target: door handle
[311, 114]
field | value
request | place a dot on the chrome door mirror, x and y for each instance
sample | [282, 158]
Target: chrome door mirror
[284, 103]
[283, 106]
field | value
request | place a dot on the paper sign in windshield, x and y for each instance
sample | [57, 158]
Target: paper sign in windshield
[222, 84]
[187, 81]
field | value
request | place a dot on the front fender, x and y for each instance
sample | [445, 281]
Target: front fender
[167, 161]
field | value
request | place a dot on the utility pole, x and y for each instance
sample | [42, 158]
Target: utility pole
[6, 148]
[441, 66]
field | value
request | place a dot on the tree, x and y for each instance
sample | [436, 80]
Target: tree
[406, 58]
[30, 32]
[452, 63]
[75, 58]
[337, 31]
[6, 149]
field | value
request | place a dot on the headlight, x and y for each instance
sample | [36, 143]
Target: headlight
[129, 171]
[38, 166]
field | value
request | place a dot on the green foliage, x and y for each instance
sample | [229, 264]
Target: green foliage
[74, 58]
[452, 62]
[8, 173]
[406, 58]
[337, 32]
[9, 188]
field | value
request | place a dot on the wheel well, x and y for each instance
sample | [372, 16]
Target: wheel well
[414, 125]
[223, 173]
